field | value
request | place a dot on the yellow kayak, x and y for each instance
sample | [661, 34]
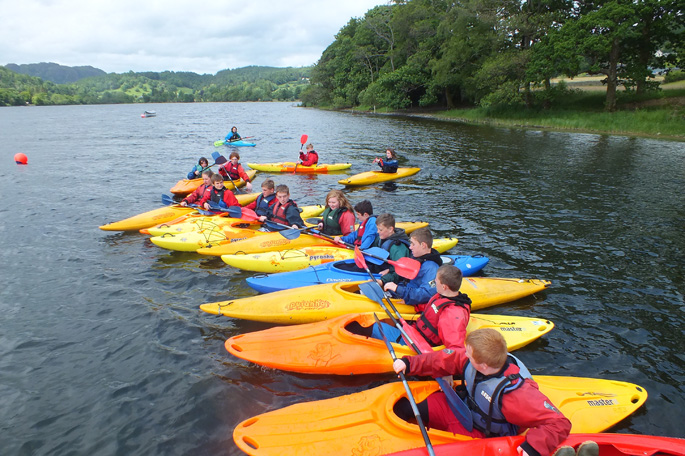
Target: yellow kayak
[321, 302]
[167, 214]
[149, 218]
[297, 259]
[373, 177]
[364, 423]
[272, 241]
[197, 222]
[290, 167]
[326, 347]
[188, 186]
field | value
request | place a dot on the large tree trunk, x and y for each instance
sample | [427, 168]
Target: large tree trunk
[612, 77]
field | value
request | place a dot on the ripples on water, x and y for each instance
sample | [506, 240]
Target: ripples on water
[103, 349]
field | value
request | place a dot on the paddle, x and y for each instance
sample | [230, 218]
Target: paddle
[405, 266]
[220, 160]
[303, 139]
[410, 396]
[293, 233]
[167, 200]
[374, 292]
[240, 139]
[233, 211]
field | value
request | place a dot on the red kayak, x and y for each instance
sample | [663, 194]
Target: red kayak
[609, 445]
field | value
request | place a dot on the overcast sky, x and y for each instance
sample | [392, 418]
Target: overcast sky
[203, 36]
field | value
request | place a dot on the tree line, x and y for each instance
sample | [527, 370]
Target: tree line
[492, 53]
[252, 83]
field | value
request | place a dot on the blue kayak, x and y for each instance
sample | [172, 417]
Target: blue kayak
[239, 143]
[336, 272]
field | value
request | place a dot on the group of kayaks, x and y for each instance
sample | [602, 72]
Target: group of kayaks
[309, 290]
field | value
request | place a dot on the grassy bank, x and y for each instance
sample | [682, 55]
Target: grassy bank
[660, 115]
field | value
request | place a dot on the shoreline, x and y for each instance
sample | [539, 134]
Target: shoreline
[512, 124]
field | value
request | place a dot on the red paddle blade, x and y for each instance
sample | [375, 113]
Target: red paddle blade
[359, 258]
[406, 267]
[416, 337]
[248, 214]
[303, 139]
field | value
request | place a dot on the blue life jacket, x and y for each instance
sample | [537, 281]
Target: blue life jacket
[485, 398]
[263, 204]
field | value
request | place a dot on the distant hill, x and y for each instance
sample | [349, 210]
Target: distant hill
[54, 72]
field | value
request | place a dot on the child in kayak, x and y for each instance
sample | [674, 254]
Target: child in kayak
[284, 211]
[234, 171]
[200, 191]
[389, 165]
[367, 232]
[443, 320]
[233, 135]
[395, 241]
[262, 205]
[338, 217]
[309, 157]
[218, 193]
[500, 394]
[420, 289]
[196, 172]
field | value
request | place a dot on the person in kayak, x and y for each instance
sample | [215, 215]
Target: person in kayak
[367, 232]
[309, 157]
[234, 171]
[200, 191]
[233, 135]
[395, 241]
[421, 288]
[389, 165]
[196, 172]
[443, 319]
[262, 205]
[338, 217]
[217, 194]
[503, 398]
[284, 211]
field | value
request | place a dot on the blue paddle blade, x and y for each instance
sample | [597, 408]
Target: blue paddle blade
[377, 252]
[458, 406]
[167, 200]
[273, 226]
[215, 155]
[372, 291]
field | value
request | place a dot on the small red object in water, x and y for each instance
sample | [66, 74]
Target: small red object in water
[21, 159]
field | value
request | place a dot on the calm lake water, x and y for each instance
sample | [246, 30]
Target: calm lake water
[103, 349]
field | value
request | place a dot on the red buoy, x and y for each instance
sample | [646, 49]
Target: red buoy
[21, 159]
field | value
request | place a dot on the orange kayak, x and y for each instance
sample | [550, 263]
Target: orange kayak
[609, 445]
[364, 423]
[188, 186]
[326, 347]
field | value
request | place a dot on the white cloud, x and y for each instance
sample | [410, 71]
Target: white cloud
[155, 35]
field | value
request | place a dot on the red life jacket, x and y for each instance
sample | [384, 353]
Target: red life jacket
[427, 324]
[279, 211]
[232, 170]
[360, 232]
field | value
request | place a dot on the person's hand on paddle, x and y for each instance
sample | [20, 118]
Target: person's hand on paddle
[399, 366]
[183, 203]
[262, 218]
[390, 286]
